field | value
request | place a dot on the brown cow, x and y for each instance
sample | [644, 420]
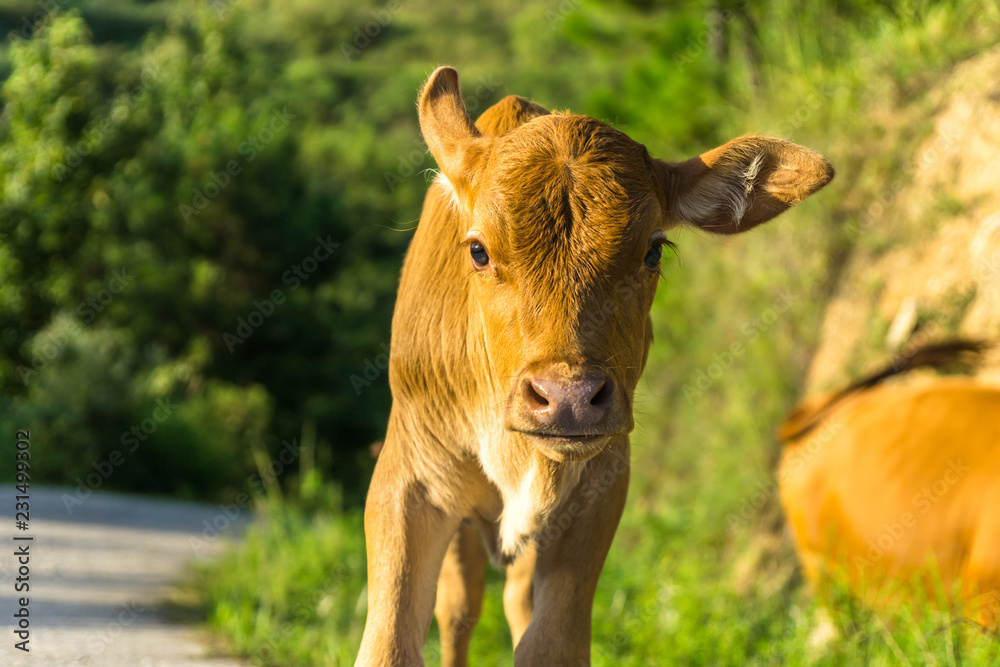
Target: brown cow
[895, 491]
[520, 331]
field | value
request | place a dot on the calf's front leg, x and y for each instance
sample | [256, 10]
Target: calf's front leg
[569, 564]
[406, 539]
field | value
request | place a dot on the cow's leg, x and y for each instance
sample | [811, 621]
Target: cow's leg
[517, 602]
[567, 568]
[460, 594]
[406, 540]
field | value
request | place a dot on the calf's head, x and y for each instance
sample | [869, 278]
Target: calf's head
[564, 220]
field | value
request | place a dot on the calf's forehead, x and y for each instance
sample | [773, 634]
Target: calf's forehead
[561, 187]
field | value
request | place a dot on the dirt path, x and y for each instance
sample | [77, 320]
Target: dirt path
[97, 575]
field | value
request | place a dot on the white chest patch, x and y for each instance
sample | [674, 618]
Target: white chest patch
[527, 509]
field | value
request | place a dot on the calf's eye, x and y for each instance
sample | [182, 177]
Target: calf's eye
[653, 256]
[479, 255]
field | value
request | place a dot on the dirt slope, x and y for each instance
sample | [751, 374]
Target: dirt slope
[926, 263]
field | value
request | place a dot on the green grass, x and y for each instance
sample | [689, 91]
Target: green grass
[294, 594]
[698, 573]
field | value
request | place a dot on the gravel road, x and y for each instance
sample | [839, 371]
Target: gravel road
[97, 576]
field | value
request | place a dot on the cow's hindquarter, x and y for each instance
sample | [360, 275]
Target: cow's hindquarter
[900, 493]
[981, 575]
[981, 571]
[801, 491]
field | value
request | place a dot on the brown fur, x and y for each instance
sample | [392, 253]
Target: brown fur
[567, 208]
[891, 489]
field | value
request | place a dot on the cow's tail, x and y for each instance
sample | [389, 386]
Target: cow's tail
[954, 356]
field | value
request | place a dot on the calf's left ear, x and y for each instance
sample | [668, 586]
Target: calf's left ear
[741, 184]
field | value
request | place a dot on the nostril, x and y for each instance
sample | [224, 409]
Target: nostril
[533, 396]
[602, 397]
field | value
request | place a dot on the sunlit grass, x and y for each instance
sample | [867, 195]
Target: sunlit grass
[294, 593]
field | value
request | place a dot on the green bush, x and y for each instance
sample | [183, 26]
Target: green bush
[100, 419]
[176, 201]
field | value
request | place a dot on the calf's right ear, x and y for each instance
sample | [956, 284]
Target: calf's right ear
[451, 136]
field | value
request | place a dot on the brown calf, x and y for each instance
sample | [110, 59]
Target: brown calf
[895, 489]
[520, 331]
